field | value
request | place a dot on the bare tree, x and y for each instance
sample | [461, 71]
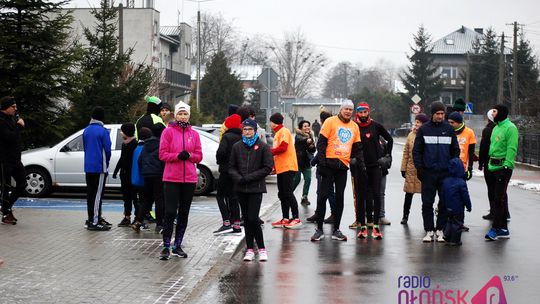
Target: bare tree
[217, 35]
[298, 63]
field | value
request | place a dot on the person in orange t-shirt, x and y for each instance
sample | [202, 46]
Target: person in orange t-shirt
[467, 141]
[286, 166]
[338, 145]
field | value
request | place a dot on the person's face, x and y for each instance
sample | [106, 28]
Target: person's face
[164, 112]
[248, 132]
[306, 128]
[182, 116]
[438, 116]
[346, 112]
[363, 114]
[11, 110]
[273, 125]
[417, 124]
[494, 113]
[453, 123]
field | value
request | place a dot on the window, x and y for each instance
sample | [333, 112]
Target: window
[449, 41]
[449, 72]
[76, 145]
[188, 51]
[446, 98]
[119, 140]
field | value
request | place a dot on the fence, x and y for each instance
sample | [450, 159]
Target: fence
[529, 149]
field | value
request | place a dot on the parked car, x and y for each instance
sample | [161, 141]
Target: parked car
[62, 165]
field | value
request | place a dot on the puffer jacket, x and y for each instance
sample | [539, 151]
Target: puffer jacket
[250, 165]
[455, 194]
[304, 151]
[435, 144]
[412, 184]
[149, 162]
[173, 141]
[223, 153]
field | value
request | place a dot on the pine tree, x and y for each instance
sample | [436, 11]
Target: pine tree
[37, 62]
[110, 79]
[421, 77]
[528, 76]
[219, 88]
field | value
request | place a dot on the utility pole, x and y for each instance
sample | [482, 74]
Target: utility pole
[515, 72]
[468, 78]
[500, 96]
[120, 28]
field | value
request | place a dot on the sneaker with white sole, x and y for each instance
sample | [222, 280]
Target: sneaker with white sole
[440, 236]
[294, 224]
[263, 256]
[339, 236]
[223, 229]
[317, 236]
[503, 233]
[249, 255]
[429, 237]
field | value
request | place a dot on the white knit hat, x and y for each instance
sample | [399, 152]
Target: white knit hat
[182, 106]
[346, 103]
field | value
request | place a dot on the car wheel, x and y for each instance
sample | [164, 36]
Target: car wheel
[205, 181]
[38, 182]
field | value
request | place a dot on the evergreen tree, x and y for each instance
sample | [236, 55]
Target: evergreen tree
[37, 63]
[421, 77]
[387, 107]
[109, 78]
[528, 75]
[219, 88]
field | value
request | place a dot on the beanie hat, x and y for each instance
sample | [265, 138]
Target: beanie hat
[277, 118]
[98, 113]
[251, 123]
[145, 133]
[324, 115]
[437, 106]
[459, 105]
[502, 112]
[490, 115]
[7, 102]
[233, 122]
[232, 109]
[422, 117]
[455, 116]
[128, 129]
[182, 106]
[362, 106]
[152, 99]
[347, 103]
[166, 106]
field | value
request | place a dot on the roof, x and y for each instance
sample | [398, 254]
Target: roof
[244, 72]
[170, 30]
[459, 42]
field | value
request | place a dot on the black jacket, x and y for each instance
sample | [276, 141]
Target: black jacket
[250, 166]
[435, 145]
[371, 142]
[483, 154]
[10, 139]
[223, 153]
[126, 159]
[304, 151]
[149, 162]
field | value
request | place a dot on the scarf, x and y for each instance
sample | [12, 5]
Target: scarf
[250, 141]
[460, 128]
[363, 124]
[182, 124]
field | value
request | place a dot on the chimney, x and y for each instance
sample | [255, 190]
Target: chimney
[479, 30]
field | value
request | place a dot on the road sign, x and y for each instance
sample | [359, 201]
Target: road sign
[416, 99]
[469, 108]
[416, 109]
[269, 104]
[268, 79]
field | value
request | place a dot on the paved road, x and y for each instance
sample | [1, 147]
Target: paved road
[368, 271]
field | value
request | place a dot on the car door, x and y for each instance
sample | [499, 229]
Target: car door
[69, 163]
[116, 142]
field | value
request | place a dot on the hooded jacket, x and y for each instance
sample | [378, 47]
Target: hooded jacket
[304, 151]
[223, 153]
[149, 161]
[10, 139]
[97, 148]
[173, 141]
[504, 144]
[435, 144]
[455, 194]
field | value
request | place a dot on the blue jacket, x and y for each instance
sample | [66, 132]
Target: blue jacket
[435, 144]
[137, 178]
[97, 148]
[455, 194]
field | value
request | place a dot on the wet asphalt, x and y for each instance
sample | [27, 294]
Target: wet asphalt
[378, 271]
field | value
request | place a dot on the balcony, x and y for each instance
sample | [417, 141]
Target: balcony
[453, 83]
[176, 79]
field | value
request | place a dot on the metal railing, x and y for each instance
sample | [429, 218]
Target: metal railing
[529, 149]
[177, 79]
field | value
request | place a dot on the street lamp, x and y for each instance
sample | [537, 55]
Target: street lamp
[199, 48]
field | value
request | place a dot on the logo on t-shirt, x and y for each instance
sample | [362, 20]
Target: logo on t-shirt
[344, 135]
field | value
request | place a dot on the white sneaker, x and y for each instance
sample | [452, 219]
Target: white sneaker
[440, 236]
[249, 255]
[429, 237]
[263, 256]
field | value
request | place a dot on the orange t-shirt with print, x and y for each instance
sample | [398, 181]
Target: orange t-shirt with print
[285, 161]
[341, 137]
[465, 138]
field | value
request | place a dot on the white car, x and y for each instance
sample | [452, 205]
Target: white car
[62, 165]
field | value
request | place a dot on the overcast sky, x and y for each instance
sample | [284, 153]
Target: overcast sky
[359, 31]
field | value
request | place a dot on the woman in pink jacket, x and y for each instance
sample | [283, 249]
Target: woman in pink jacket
[180, 149]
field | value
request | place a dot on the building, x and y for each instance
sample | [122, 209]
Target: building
[295, 110]
[166, 48]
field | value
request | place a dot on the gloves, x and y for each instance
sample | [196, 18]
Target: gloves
[506, 172]
[385, 162]
[420, 174]
[114, 176]
[404, 174]
[468, 174]
[468, 209]
[480, 167]
[183, 155]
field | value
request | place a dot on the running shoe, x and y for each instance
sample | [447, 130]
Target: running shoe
[337, 235]
[125, 222]
[355, 225]
[249, 255]
[491, 235]
[429, 237]
[177, 251]
[164, 254]
[103, 222]
[329, 219]
[363, 234]
[223, 229]
[98, 227]
[317, 236]
[9, 219]
[503, 233]
[440, 236]
[281, 223]
[293, 224]
[263, 256]
[376, 233]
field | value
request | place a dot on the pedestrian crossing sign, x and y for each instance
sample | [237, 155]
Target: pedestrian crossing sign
[469, 108]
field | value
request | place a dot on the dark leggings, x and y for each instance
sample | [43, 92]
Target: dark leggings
[285, 183]
[407, 204]
[227, 199]
[329, 177]
[251, 205]
[178, 198]
[7, 171]
[152, 192]
[368, 196]
[129, 195]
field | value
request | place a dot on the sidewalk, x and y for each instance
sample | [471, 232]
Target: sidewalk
[50, 258]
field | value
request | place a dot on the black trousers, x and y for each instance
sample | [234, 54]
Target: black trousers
[431, 185]
[489, 183]
[227, 199]
[8, 194]
[152, 192]
[407, 204]
[178, 198]
[500, 181]
[367, 188]
[285, 183]
[331, 177]
[251, 205]
[95, 188]
[130, 195]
